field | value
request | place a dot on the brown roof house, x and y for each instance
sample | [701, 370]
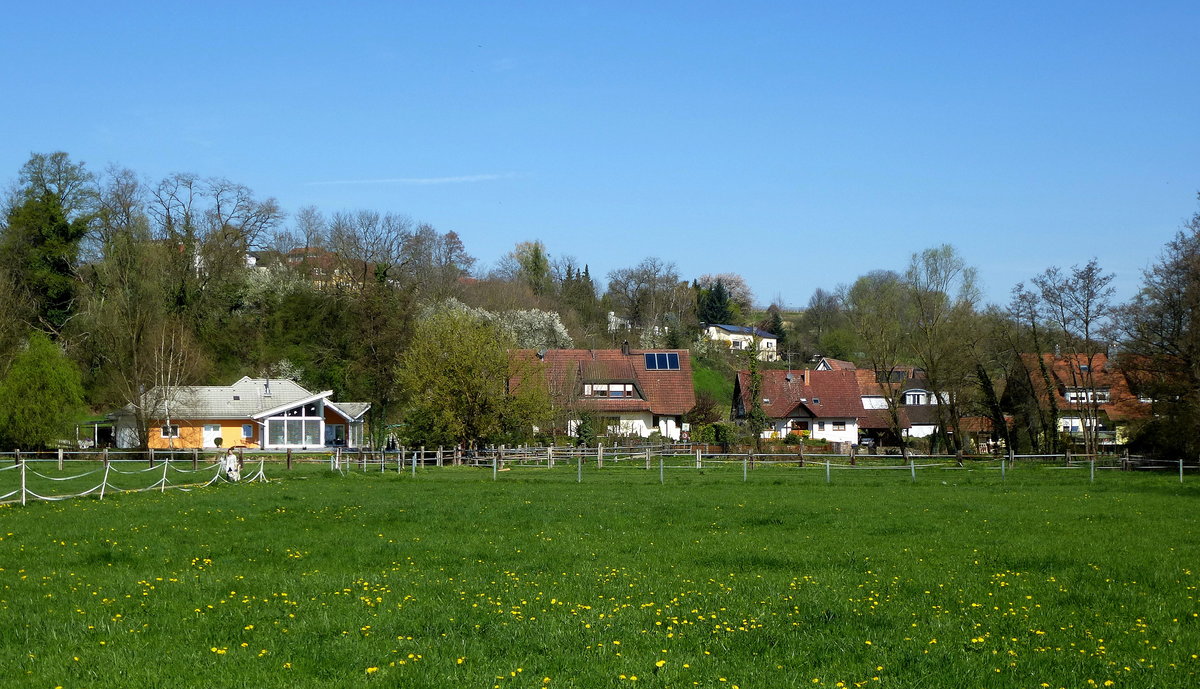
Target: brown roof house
[826, 405]
[1094, 395]
[628, 392]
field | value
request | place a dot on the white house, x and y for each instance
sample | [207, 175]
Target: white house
[742, 338]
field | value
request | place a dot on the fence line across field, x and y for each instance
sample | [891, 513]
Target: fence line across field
[159, 464]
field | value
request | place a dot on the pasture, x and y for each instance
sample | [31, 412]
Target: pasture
[449, 579]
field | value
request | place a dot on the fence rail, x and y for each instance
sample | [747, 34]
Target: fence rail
[104, 471]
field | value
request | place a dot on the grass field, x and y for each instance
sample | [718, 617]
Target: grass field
[453, 580]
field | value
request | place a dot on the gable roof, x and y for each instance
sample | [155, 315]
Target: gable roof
[666, 392]
[1068, 373]
[245, 399]
[819, 394]
[829, 364]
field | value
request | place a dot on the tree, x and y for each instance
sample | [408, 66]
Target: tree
[941, 289]
[71, 184]
[1078, 303]
[1161, 341]
[878, 308]
[713, 305]
[651, 296]
[822, 328]
[740, 295]
[39, 248]
[462, 387]
[756, 417]
[41, 397]
[1029, 337]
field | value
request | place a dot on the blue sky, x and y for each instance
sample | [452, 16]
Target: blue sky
[798, 144]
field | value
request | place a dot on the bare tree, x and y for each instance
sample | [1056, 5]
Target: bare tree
[370, 245]
[1079, 304]
[646, 294]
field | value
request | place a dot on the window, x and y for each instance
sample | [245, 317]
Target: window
[662, 361]
[608, 390]
[247, 430]
[839, 425]
[820, 425]
[171, 431]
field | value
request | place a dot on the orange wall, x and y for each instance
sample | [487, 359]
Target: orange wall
[191, 434]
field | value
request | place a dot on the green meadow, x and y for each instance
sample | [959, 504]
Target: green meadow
[451, 579]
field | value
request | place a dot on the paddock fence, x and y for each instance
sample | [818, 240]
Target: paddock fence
[64, 474]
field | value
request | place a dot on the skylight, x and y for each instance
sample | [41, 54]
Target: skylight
[662, 361]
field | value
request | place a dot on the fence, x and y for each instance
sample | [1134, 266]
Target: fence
[37, 474]
[42, 476]
[684, 457]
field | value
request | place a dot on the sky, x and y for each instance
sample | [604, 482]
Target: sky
[799, 144]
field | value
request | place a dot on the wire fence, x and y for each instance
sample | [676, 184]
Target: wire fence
[60, 475]
[34, 477]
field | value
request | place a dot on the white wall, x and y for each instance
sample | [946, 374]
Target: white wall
[739, 342]
[640, 424]
[781, 427]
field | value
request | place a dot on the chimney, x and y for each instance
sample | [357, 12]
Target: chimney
[625, 347]
[806, 377]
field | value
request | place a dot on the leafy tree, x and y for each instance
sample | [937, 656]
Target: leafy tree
[756, 417]
[713, 304]
[456, 379]
[879, 309]
[1161, 333]
[41, 396]
[941, 289]
[71, 184]
[39, 248]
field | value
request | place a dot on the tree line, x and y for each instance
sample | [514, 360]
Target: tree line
[115, 285]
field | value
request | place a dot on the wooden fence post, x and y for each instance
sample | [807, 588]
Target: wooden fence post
[599, 455]
[195, 459]
[439, 455]
[853, 461]
[958, 457]
[151, 458]
[289, 459]
[802, 452]
[60, 458]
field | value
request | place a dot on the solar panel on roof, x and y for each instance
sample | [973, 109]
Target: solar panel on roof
[662, 361]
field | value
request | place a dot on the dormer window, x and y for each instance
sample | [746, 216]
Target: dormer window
[611, 390]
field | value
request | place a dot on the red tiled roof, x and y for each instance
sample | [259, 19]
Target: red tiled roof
[1123, 405]
[838, 364]
[669, 393]
[820, 394]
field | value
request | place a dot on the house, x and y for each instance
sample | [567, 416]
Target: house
[261, 413]
[825, 405]
[830, 364]
[629, 392]
[1090, 392]
[741, 339]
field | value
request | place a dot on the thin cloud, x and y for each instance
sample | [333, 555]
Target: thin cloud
[462, 179]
